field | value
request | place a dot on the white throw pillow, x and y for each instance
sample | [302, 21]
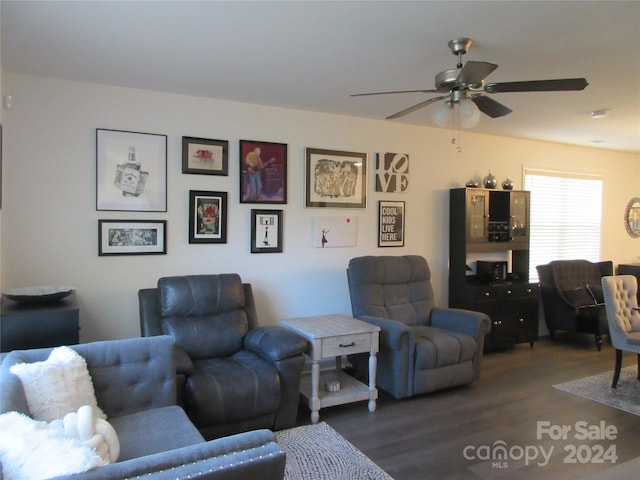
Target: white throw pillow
[59, 385]
[32, 450]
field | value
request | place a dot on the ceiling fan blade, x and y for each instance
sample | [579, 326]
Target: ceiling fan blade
[490, 107]
[416, 107]
[474, 72]
[563, 84]
[399, 91]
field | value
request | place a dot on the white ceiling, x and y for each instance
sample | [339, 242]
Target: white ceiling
[311, 55]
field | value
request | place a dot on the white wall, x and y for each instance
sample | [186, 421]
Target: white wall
[49, 233]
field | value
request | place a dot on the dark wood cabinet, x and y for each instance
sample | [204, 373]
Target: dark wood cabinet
[490, 229]
[39, 325]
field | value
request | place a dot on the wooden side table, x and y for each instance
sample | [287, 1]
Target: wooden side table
[335, 336]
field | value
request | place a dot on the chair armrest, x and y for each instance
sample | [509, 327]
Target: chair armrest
[254, 454]
[461, 321]
[391, 331]
[184, 364]
[274, 342]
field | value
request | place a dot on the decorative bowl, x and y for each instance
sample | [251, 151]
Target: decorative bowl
[42, 294]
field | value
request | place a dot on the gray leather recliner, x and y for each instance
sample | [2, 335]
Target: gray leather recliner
[234, 375]
[422, 348]
[571, 297]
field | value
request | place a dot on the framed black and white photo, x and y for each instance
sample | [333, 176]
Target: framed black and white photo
[266, 231]
[207, 217]
[391, 224]
[335, 179]
[204, 156]
[131, 171]
[263, 172]
[132, 237]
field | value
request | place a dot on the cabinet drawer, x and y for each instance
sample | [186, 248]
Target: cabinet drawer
[502, 292]
[346, 344]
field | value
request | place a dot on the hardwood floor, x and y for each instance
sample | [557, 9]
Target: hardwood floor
[425, 437]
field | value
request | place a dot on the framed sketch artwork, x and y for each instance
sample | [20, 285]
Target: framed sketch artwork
[131, 171]
[335, 179]
[266, 231]
[207, 217]
[132, 237]
[205, 157]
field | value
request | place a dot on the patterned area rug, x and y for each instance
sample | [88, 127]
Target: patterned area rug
[598, 388]
[318, 452]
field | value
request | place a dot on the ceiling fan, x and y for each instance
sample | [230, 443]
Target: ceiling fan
[463, 83]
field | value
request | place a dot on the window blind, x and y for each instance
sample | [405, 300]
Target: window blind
[566, 217]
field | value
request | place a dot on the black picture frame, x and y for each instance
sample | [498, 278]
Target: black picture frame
[335, 179]
[207, 216]
[205, 156]
[267, 182]
[391, 221]
[132, 237]
[266, 231]
[131, 171]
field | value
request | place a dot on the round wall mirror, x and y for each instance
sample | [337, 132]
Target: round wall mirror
[632, 217]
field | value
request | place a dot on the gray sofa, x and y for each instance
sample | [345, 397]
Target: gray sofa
[134, 381]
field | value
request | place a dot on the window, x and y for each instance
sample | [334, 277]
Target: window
[566, 216]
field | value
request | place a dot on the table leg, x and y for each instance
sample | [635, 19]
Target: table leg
[315, 398]
[373, 367]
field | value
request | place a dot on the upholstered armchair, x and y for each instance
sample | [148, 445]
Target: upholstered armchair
[233, 375]
[422, 348]
[571, 295]
[623, 315]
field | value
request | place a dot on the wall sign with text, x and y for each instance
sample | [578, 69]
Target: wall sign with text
[390, 224]
[392, 172]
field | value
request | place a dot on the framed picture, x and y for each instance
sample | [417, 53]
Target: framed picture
[204, 156]
[131, 171]
[390, 224]
[132, 237]
[392, 172]
[336, 179]
[207, 217]
[266, 231]
[263, 167]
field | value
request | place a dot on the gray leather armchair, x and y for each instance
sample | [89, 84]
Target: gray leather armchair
[422, 348]
[234, 376]
[571, 297]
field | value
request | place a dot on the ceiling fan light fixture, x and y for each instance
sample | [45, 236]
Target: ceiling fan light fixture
[441, 113]
[469, 113]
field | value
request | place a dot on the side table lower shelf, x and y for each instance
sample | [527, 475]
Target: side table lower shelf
[351, 390]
